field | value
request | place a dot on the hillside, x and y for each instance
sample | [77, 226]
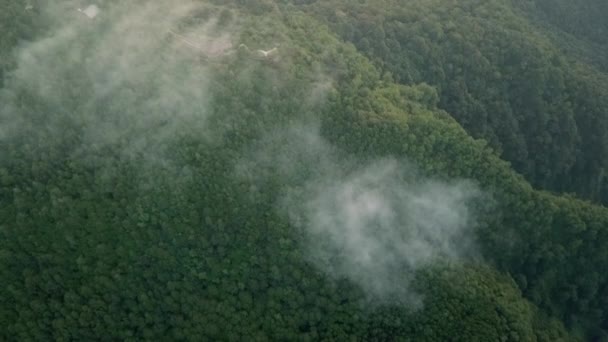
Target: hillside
[499, 74]
[298, 170]
[580, 30]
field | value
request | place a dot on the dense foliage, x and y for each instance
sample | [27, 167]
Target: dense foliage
[578, 29]
[166, 228]
[16, 25]
[498, 76]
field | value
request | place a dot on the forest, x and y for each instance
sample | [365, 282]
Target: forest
[261, 170]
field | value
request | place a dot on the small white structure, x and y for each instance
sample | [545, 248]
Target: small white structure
[268, 53]
[92, 11]
[29, 7]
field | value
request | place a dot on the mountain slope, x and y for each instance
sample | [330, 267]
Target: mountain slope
[499, 76]
[577, 28]
[151, 191]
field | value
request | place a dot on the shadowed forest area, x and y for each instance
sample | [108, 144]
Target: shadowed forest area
[261, 170]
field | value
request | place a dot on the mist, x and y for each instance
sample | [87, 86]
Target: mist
[375, 223]
[377, 228]
[136, 74]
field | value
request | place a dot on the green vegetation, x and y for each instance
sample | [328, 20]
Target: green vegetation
[579, 30]
[501, 79]
[151, 192]
[16, 25]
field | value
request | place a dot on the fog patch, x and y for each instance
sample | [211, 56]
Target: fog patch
[375, 222]
[122, 78]
[378, 224]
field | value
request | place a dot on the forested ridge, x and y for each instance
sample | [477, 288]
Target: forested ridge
[498, 76]
[579, 30]
[303, 170]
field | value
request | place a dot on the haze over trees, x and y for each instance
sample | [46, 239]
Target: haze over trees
[393, 170]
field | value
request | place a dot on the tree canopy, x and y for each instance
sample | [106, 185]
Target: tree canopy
[394, 171]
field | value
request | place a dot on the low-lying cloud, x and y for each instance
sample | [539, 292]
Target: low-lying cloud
[128, 74]
[376, 227]
[137, 73]
[374, 223]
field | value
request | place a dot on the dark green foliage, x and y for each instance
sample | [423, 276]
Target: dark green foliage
[17, 25]
[580, 29]
[501, 79]
[116, 241]
[472, 304]
[531, 235]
